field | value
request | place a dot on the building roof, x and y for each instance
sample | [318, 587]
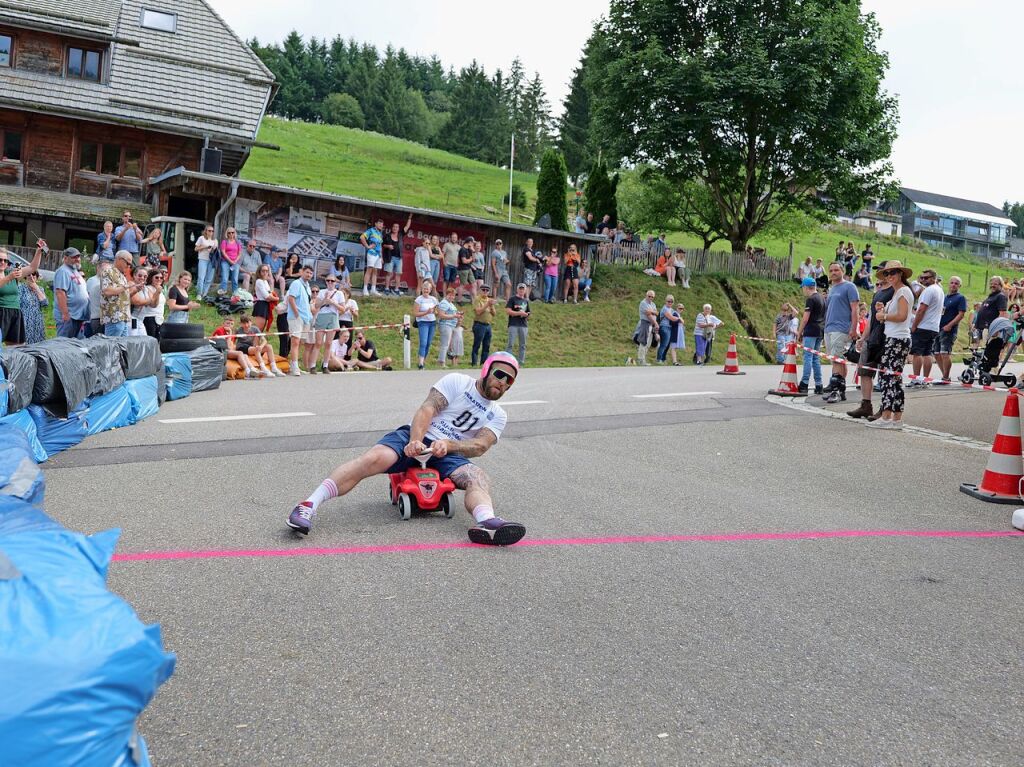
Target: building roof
[181, 174]
[40, 202]
[940, 203]
[199, 80]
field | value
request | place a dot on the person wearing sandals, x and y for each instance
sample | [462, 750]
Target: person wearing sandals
[897, 318]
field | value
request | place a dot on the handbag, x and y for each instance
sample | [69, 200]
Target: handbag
[851, 353]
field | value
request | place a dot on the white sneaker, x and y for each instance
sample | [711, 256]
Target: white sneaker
[276, 371]
[375, 292]
[366, 291]
[296, 372]
[1017, 520]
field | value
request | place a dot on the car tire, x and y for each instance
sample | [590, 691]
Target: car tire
[171, 345]
[181, 330]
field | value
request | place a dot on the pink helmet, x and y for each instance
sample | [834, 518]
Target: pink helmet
[503, 357]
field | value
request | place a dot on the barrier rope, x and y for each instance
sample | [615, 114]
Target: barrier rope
[379, 326]
[882, 371]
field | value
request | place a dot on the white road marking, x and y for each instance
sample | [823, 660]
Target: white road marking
[253, 417]
[525, 402]
[676, 394]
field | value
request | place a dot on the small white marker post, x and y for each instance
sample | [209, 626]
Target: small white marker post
[406, 343]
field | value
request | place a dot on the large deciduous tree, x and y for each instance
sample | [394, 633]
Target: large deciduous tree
[762, 102]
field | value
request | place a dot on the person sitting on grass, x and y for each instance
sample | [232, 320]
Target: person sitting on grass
[339, 355]
[259, 348]
[365, 355]
[226, 332]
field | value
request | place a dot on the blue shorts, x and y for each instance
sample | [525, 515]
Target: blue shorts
[399, 438]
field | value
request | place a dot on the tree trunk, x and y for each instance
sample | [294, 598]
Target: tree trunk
[739, 244]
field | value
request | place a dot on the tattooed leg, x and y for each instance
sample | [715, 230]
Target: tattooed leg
[475, 483]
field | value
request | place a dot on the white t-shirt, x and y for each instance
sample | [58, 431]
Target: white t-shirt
[154, 311]
[202, 247]
[934, 298]
[92, 286]
[899, 329]
[330, 295]
[467, 413]
[426, 302]
[262, 290]
[350, 306]
[338, 349]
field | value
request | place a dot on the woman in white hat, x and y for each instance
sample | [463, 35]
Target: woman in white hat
[897, 318]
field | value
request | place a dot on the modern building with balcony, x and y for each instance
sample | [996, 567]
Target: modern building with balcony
[873, 219]
[937, 219]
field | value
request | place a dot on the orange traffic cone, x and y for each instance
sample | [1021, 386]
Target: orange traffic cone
[732, 360]
[787, 386]
[1001, 481]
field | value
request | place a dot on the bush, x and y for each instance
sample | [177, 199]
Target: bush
[518, 197]
[343, 109]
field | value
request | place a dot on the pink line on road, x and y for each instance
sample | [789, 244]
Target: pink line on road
[146, 556]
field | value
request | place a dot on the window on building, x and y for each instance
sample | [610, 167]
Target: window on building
[10, 145]
[89, 157]
[161, 21]
[110, 160]
[895, 228]
[84, 64]
[132, 163]
[6, 50]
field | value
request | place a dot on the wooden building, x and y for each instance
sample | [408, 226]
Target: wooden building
[318, 226]
[98, 97]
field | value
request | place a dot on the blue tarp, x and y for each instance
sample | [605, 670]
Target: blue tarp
[143, 393]
[20, 476]
[179, 375]
[58, 434]
[24, 423]
[112, 410]
[78, 667]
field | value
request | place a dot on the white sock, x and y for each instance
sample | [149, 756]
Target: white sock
[325, 492]
[482, 513]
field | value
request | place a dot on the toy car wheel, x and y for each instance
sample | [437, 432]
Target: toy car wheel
[1010, 381]
[967, 377]
[405, 505]
[391, 494]
[984, 379]
[446, 506]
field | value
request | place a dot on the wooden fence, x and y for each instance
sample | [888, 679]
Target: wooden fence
[760, 265]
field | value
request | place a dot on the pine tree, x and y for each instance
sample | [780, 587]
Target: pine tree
[384, 104]
[574, 126]
[552, 190]
[470, 130]
[534, 135]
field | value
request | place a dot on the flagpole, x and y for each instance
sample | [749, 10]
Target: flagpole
[511, 160]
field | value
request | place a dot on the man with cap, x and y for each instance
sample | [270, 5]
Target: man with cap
[71, 309]
[499, 271]
[518, 310]
[460, 419]
[871, 345]
[810, 333]
[484, 312]
[116, 293]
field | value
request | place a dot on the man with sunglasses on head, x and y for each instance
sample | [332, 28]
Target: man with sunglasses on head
[459, 420]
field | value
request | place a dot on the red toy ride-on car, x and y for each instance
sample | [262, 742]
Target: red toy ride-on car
[421, 489]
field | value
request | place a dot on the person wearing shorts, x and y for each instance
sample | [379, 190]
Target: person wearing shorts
[467, 281]
[373, 240]
[499, 269]
[871, 346]
[392, 250]
[300, 318]
[459, 420]
[954, 309]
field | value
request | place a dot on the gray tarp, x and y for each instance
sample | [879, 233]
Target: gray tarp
[207, 368]
[20, 369]
[140, 356]
[106, 355]
[65, 375]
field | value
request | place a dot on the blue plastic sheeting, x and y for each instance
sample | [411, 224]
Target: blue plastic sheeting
[59, 434]
[179, 375]
[78, 667]
[20, 476]
[143, 393]
[112, 410]
[24, 423]
[3, 391]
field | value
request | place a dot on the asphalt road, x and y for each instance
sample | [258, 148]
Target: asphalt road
[601, 643]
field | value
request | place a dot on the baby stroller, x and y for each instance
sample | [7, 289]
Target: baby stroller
[1002, 335]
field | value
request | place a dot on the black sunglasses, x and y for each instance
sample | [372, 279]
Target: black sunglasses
[501, 375]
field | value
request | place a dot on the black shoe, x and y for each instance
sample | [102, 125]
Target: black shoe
[802, 388]
[497, 532]
[817, 389]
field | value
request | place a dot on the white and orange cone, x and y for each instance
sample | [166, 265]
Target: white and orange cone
[788, 385]
[1005, 469]
[732, 360]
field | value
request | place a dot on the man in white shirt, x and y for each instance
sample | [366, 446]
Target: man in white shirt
[459, 420]
[925, 327]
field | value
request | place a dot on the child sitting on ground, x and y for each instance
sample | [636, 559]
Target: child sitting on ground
[259, 348]
[226, 332]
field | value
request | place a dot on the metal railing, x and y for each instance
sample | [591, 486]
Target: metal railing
[759, 265]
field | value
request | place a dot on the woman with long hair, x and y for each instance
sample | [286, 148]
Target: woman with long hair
[265, 296]
[424, 310]
[897, 318]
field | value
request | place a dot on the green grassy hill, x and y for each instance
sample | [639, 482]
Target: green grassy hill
[330, 158]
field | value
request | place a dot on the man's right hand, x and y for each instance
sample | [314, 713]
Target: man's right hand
[414, 448]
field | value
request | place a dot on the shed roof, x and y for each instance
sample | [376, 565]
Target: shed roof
[41, 202]
[199, 80]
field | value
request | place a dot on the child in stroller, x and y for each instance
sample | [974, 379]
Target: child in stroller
[1002, 332]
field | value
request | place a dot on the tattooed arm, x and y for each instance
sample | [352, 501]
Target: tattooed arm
[468, 448]
[432, 405]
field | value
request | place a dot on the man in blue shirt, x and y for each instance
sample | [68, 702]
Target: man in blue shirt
[842, 316]
[372, 239]
[105, 242]
[300, 319]
[71, 311]
[128, 236]
[954, 307]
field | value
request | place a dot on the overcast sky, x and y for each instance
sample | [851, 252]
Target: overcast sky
[953, 66]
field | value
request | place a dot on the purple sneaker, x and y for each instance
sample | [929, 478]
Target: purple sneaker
[301, 518]
[497, 532]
